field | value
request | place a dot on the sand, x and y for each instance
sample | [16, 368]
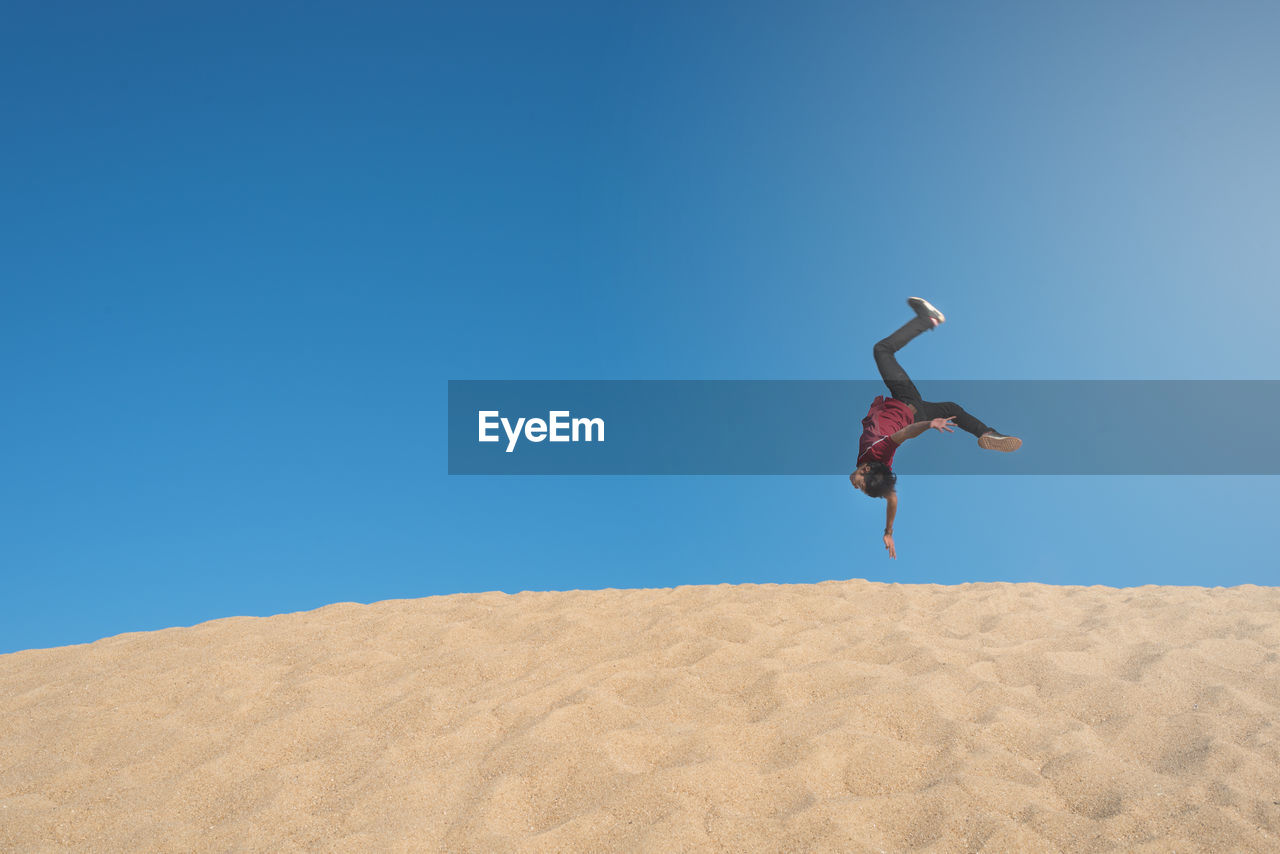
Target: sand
[844, 716]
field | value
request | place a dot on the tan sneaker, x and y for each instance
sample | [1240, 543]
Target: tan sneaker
[925, 310]
[994, 441]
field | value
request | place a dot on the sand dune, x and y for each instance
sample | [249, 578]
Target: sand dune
[843, 716]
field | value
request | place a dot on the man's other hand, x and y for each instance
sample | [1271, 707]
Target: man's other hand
[888, 544]
[943, 424]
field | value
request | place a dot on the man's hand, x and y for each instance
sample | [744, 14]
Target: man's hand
[890, 511]
[943, 425]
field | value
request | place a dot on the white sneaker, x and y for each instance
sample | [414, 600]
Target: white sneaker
[994, 441]
[923, 308]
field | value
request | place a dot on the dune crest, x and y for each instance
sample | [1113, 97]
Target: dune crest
[841, 716]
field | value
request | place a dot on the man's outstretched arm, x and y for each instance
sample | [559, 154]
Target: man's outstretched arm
[891, 510]
[912, 430]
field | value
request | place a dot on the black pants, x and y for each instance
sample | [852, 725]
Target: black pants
[902, 388]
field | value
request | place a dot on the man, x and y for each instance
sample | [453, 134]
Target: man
[905, 415]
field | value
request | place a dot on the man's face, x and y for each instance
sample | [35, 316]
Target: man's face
[858, 478]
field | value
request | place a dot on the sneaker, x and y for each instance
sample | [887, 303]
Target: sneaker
[994, 441]
[924, 309]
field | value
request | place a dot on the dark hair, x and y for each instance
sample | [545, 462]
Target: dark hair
[878, 481]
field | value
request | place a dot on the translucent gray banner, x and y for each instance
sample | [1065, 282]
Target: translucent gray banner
[811, 427]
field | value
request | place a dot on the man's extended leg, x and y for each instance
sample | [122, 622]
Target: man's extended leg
[987, 438]
[899, 384]
[902, 388]
[927, 411]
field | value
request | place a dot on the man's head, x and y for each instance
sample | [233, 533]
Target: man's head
[874, 478]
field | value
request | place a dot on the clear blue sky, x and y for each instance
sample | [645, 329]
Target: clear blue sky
[246, 245]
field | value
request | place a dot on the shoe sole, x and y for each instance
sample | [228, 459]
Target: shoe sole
[929, 310]
[1000, 443]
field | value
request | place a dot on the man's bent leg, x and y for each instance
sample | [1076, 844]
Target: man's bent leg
[895, 378]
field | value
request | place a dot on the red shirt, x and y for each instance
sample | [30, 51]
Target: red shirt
[886, 416]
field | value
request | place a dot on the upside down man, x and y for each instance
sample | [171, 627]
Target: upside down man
[905, 415]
